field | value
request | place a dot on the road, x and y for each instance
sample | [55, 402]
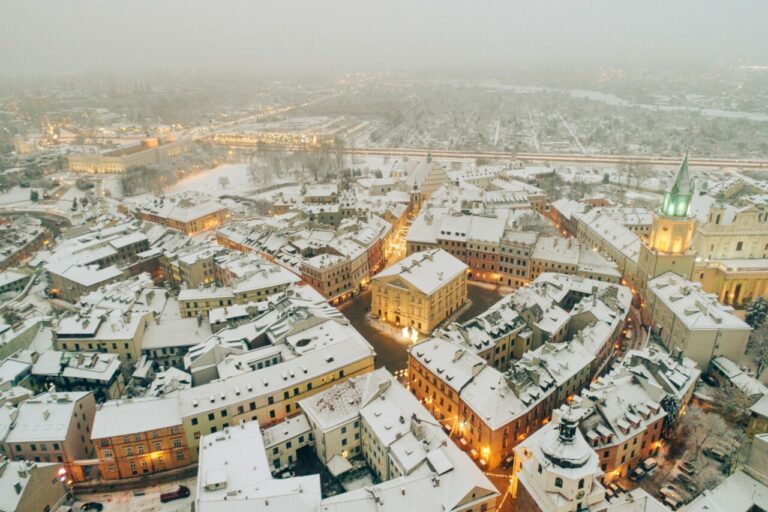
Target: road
[568, 158]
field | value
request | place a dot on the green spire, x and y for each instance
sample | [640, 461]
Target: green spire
[678, 200]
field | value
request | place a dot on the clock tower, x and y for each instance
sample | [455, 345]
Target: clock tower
[668, 247]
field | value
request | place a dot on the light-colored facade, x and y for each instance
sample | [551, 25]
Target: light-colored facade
[420, 291]
[555, 470]
[54, 427]
[686, 318]
[189, 214]
[328, 352]
[114, 332]
[732, 251]
[27, 486]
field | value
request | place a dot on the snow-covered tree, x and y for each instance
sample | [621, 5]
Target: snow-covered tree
[756, 313]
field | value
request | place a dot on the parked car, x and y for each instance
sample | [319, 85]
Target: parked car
[649, 465]
[715, 453]
[624, 486]
[93, 506]
[637, 474]
[181, 492]
[671, 491]
[672, 503]
[688, 482]
[687, 468]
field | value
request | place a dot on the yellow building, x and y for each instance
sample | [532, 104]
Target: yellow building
[420, 291]
[189, 214]
[148, 152]
[668, 248]
[138, 437]
[733, 253]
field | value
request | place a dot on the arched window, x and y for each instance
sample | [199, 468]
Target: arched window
[559, 482]
[581, 483]
[539, 468]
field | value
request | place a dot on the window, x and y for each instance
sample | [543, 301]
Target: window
[194, 421]
[108, 454]
[179, 455]
[559, 482]
[739, 245]
[177, 443]
[581, 483]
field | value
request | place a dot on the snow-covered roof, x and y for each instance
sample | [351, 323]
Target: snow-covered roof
[427, 271]
[135, 415]
[45, 417]
[696, 309]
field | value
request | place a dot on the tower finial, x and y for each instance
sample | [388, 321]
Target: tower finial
[678, 200]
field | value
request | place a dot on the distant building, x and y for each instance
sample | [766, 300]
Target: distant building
[145, 153]
[420, 291]
[20, 239]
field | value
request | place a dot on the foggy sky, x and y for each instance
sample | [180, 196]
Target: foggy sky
[75, 36]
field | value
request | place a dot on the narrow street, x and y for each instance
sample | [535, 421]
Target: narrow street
[391, 351]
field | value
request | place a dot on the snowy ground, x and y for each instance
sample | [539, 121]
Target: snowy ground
[127, 501]
[208, 181]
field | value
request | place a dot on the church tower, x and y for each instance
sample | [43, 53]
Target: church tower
[668, 247]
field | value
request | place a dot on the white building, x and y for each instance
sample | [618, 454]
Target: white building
[557, 471]
[685, 317]
[423, 471]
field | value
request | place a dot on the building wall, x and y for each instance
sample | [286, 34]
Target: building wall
[104, 163]
[284, 454]
[269, 409]
[76, 445]
[746, 237]
[44, 491]
[142, 453]
[617, 460]
[410, 307]
[128, 349]
[343, 440]
[701, 345]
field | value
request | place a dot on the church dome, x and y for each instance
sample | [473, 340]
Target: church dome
[566, 447]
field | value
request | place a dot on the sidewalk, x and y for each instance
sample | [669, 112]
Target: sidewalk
[136, 482]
